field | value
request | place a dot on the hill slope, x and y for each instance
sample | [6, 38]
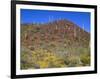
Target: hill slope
[60, 41]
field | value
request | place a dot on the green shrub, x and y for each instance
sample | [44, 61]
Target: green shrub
[85, 59]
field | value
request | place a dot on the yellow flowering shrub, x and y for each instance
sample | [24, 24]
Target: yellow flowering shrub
[43, 59]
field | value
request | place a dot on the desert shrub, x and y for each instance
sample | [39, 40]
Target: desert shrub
[43, 64]
[49, 59]
[41, 58]
[85, 59]
[44, 58]
[85, 56]
[25, 61]
[72, 61]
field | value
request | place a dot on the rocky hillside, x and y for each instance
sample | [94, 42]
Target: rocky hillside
[63, 40]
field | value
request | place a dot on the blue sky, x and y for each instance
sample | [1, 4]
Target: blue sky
[44, 16]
